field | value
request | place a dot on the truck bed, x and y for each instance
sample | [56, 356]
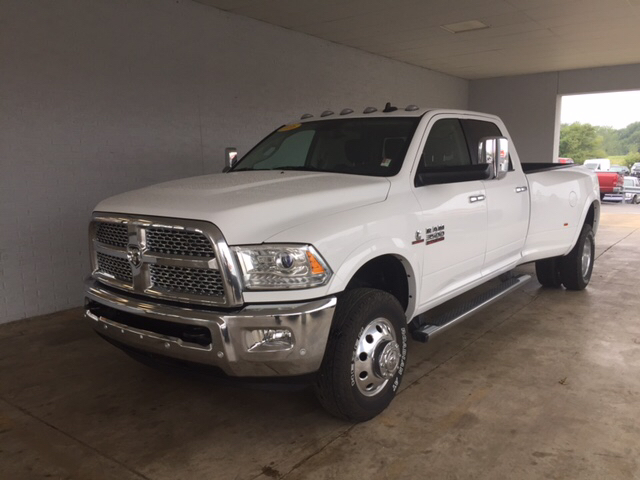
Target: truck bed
[541, 167]
[554, 223]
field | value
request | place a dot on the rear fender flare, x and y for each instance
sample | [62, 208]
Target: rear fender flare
[592, 200]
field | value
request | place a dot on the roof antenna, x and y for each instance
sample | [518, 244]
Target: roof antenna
[388, 108]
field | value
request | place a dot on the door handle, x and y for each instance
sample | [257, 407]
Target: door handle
[476, 198]
[521, 189]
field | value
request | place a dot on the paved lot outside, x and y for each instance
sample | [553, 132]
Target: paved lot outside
[543, 384]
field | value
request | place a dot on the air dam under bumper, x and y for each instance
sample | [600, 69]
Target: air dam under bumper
[229, 340]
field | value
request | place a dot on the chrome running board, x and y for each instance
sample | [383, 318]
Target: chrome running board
[459, 313]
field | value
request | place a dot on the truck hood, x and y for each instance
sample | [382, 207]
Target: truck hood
[250, 207]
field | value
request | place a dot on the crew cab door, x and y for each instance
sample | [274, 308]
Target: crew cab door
[452, 225]
[507, 202]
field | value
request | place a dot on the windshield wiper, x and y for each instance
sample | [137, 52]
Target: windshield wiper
[301, 168]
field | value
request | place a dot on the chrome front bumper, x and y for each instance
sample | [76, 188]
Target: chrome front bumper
[232, 334]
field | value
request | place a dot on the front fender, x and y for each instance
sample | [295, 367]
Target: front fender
[375, 248]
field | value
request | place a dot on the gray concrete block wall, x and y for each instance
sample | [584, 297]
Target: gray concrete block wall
[100, 97]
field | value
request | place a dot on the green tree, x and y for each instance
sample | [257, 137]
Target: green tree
[611, 141]
[580, 141]
[630, 137]
[631, 158]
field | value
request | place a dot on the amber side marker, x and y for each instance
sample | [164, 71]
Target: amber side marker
[316, 268]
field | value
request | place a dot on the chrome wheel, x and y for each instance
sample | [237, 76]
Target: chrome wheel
[587, 256]
[376, 357]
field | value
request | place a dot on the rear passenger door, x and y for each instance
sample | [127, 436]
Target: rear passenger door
[452, 222]
[507, 202]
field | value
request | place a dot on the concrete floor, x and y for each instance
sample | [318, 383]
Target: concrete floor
[543, 384]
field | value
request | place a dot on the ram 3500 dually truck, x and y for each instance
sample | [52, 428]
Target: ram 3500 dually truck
[328, 245]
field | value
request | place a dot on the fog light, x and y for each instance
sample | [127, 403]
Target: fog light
[268, 340]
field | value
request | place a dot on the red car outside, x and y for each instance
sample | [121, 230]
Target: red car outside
[610, 183]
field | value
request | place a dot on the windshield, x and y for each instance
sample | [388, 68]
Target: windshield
[591, 166]
[359, 146]
[629, 182]
[616, 168]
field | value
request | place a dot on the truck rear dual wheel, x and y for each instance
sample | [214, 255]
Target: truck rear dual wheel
[365, 356]
[574, 269]
[577, 266]
[548, 272]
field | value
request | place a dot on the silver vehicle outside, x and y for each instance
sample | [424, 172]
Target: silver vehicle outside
[632, 189]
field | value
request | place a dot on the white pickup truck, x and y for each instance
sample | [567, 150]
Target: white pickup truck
[329, 244]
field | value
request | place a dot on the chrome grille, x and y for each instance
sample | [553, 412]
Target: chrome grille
[170, 259]
[116, 267]
[192, 281]
[115, 234]
[178, 242]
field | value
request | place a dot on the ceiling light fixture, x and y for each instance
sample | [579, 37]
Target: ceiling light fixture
[467, 26]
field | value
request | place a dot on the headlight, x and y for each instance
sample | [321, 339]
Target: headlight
[278, 267]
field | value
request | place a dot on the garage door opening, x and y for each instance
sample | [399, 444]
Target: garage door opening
[601, 126]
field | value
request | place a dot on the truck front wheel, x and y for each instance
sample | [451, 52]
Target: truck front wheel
[365, 356]
[576, 267]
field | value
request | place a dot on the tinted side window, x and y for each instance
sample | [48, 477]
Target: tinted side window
[445, 147]
[475, 130]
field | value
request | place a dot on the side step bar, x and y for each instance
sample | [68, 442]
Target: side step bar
[461, 312]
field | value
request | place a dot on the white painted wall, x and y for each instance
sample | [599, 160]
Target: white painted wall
[530, 104]
[99, 97]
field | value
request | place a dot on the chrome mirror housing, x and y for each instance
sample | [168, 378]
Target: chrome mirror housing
[230, 158]
[495, 152]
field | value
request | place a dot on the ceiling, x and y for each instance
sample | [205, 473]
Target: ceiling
[524, 36]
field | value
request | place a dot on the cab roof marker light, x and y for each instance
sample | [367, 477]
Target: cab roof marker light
[346, 111]
[411, 108]
[370, 110]
[305, 116]
[326, 113]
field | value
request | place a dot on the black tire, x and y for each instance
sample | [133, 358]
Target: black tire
[575, 274]
[636, 199]
[601, 196]
[548, 272]
[338, 386]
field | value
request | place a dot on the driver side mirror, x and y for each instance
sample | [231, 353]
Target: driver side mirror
[230, 158]
[495, 152]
